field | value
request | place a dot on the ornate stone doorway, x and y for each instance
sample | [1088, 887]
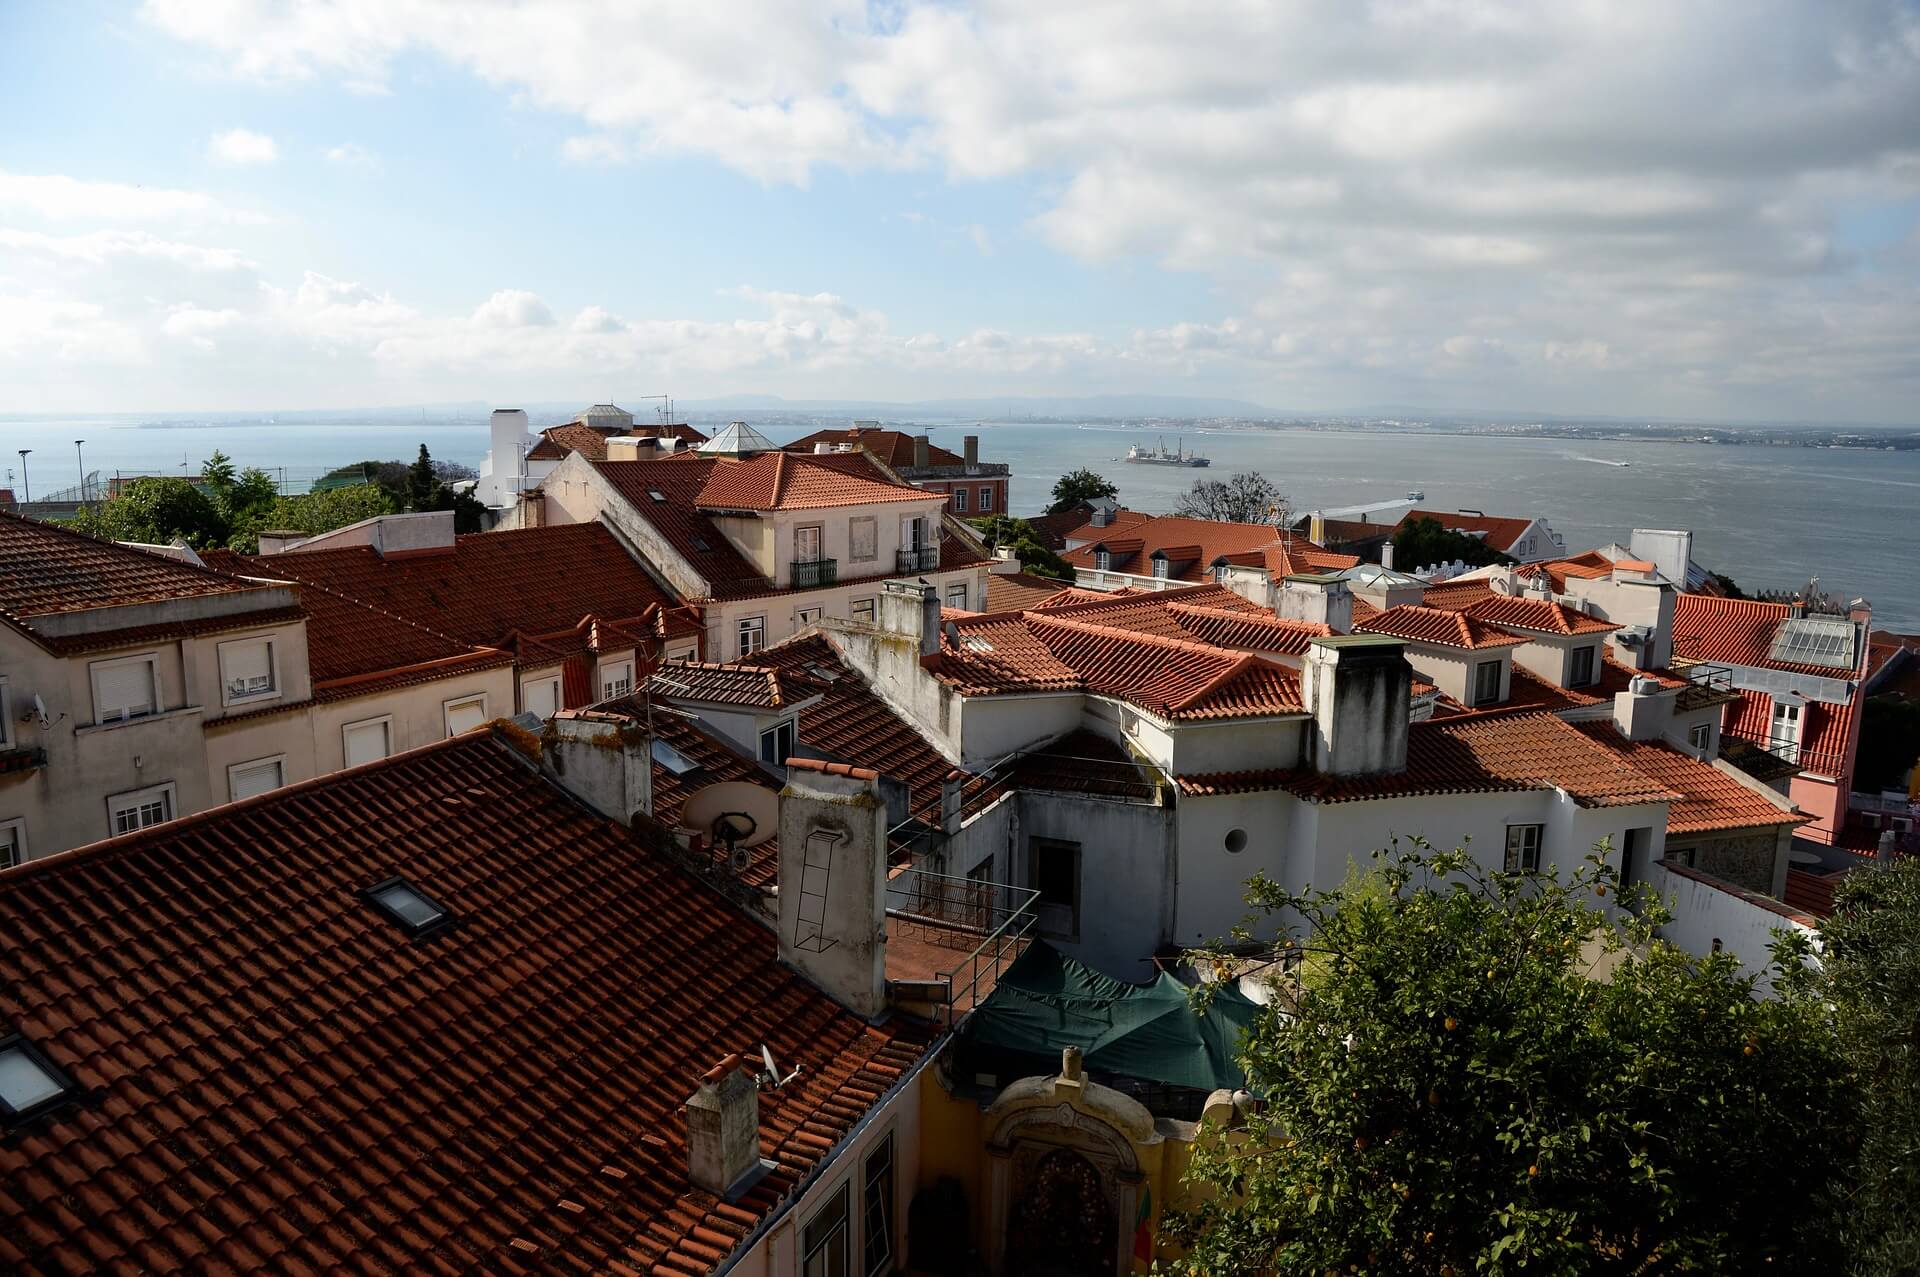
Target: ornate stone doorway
[1062, 1223]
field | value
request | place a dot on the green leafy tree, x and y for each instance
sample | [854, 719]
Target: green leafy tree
[1729, 585]
[1018, 536]
[1075, 486]
[1475, 1072]
[1246, 497]
[1426, 542]
[1872, 962]
[253, 491]
[157, 510]
[469, 515]
[421, 482]
[312, 512]
[218, 471]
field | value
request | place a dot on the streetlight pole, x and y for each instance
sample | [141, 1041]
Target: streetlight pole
[26, 489]
[81, 458]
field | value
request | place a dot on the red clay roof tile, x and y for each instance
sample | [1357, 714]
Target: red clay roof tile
[314, 1086]
[1710, 800]
[1420, 624]
[1018, 591]
[785, 481]
[1498, 531]
[1540, 615]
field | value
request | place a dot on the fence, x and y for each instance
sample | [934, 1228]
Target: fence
[986, 925]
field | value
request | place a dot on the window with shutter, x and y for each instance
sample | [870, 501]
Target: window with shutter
[541, 696]
[367, 742]
[465, 715]
[246, 670]
[123, 689]
[244, 780]
[863, 539]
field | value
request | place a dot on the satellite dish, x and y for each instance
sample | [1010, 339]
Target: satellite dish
[736, 813]
[40, 714]
[739, 858]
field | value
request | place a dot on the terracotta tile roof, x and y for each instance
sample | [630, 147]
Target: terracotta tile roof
[1499, 531]
[1206, 542]
[1082, 528]
[491, 585]
[1457, 596]
[591, 441]
[1480, 754]
[1018, 591]
[1735, 632]
[1710, 800]
[850, 723]
[1363, 610]
[716, 760]
[1172, 677]
[752, 686]
[1541, 615]
[1421, 624]
[277, 1078]
[48, 571]
[1587, 565]
[1248, 631]
[895, 447]
[784, 481]
[1811, 893]
[1826, 731]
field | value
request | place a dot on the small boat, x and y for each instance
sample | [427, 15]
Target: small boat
[1159, 456]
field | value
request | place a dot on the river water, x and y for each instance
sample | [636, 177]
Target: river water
[1769, 517]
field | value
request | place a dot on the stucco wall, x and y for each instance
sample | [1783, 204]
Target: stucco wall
[1706, 913]
[1126, 875]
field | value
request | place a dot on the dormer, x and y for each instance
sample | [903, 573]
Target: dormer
[1466, 658]
[1563, 646]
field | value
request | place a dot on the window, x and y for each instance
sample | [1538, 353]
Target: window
[1786, 731]
[806, 616]
[616, 679]
[1160, 566]
[1056, 875]
[913, 533]
[776, 744]
[986, 501]
[1486, 682]
[823, 1243]
[246, 670]
[1700, 736]
[29, 1081]
[957, 596]
[1236, 841]
[672, 759]
[1102, 560]
[127, 688]
[244, 780]
[863, 539]
[1523, 848]
[753, 634]
[541, 696]
[1581, 670]
[13, 843]
[413, 909]
[877, 1256]
[863, 610]
[139, 809]
[959, 500]
[465, 714]
[366, 742]
[806, 544]
[656, 494]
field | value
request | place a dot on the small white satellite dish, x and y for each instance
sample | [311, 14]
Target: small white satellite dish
[40, 714]
[736, 813]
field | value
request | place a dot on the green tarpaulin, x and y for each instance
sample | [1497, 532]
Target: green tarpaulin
[1046, 1001]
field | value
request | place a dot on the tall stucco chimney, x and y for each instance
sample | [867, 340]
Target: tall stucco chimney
[605, 760]
[1323, 599]
[833, 881]
[1357, 687]
[723, 1130]
[970, 449]
[1386, 553]
[920, 452]
[911, 608]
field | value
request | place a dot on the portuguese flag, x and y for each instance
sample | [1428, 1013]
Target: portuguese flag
[1142, 1233]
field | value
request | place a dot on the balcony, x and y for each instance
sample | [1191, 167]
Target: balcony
[813, 573]
[921, 558]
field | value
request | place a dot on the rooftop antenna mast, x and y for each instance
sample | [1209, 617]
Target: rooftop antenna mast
[665, 410]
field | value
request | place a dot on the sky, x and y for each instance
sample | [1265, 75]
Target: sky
[1699, 210]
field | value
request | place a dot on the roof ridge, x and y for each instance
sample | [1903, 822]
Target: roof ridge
[1213, 684]
[377, 610]
[1132, 636]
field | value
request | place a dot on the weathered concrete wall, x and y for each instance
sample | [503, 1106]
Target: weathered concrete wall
[833, 874]
[1745, 860]
[1126, 875]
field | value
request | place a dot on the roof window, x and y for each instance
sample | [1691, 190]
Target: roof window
[672, 759]
[29, 1082]
[699, 543]
[656, 494]
[416, 912]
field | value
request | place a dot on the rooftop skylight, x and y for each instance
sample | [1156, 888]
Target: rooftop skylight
[414, 910]
[672, 759]
[29, 1082]
[1815, 640]
[656, 494]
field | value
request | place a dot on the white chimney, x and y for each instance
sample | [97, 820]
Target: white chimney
[1386, 553]
[1358, 689]
[1320, 599]
[1670, 551]
[1641, 712]
[911, 609]
[605, 760]
[823, 445]
[723, 1130]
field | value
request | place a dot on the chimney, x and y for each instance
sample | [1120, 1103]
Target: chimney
[1670, 551]
[280, 540]
[1102, 513]
[920, 453]
[822, 446]
[507, 443]
[1386, 553]
[911, 609]
[1357, 688]
[1641, 712]
[1320, 598]
[723, 1131]
[833, 881]
[605, 760]
[970, 448]
[631, 448]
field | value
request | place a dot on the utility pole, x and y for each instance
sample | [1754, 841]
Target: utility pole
[81, 458]
[26, 489]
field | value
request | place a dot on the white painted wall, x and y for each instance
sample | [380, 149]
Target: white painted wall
[1706, 911]
[1126, 875]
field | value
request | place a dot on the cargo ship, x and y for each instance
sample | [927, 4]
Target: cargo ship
[1159, 456]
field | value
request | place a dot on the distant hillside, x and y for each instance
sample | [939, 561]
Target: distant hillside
[996, 409]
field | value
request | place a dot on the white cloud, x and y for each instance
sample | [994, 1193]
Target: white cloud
[65, 199]
[352, 155]
[513, 308]
[241, 146]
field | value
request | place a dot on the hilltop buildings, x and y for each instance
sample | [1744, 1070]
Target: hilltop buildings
[972, 486]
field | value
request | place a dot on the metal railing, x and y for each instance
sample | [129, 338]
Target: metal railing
[811, 573]
[987, 924]
[919, 558]
[1706, 674]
